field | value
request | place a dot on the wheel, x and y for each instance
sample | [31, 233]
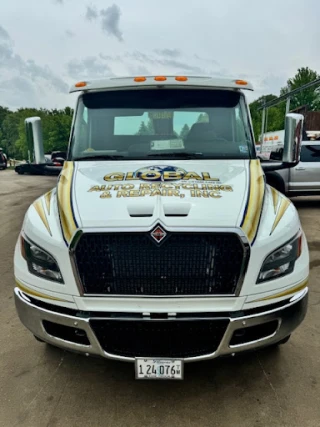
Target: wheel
[276, 346]
[38, 339]
[20, 172]
[284, 340]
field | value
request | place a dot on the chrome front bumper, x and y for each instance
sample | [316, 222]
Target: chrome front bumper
[289, 316]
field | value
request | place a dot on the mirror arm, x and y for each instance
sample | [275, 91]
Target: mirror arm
[274, 166]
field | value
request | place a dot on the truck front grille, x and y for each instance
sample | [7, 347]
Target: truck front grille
[184, 264]
[167, 338]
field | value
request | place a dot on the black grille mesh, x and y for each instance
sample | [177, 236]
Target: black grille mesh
[176, 338]
[184, 264]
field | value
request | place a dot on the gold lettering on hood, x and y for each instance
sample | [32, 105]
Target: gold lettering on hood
[130, 177]
[154, 175]
[168, 175]
[114, 176]
[150, 175]
[192, 175]
[206, 177]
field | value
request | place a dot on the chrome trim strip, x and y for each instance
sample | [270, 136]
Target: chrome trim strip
[72, 248]
[32, 316]
[238, 231]
[297, 296]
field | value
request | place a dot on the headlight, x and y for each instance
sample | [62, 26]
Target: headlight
[281, 261]
[40, 262]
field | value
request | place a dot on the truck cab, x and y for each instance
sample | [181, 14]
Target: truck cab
[161, 242]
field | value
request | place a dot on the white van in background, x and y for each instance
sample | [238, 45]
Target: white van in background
[272, 141]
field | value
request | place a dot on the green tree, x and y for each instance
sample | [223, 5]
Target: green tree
[143, 129]
[56, 126]
[310, 96]
[146, 129]
[4, 111]
[275, 115]
[203, 118]
[150, 127]
[58, 130]
[184, 131]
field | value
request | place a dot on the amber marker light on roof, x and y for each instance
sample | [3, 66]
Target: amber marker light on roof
[81, 84]
[160, 79]
[181, 78]
[140, 79]
[241, 82]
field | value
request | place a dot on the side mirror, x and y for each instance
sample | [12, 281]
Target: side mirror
[33, 127]
[60, 154]
[292, 144]
[293, 138]
[59, 159]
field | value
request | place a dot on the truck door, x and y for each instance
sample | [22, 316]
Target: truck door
[306, 175]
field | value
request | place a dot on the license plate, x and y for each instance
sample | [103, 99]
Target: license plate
[159, 369]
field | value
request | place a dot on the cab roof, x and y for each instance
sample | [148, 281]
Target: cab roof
[155, 81]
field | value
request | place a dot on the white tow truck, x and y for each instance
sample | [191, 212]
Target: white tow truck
[161, 242]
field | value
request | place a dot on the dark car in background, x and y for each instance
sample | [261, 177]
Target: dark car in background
[3, 160]
[3, 165]
[52, 166]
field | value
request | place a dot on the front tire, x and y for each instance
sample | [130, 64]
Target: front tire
[279, 343]
[38, 339]
[284, 340]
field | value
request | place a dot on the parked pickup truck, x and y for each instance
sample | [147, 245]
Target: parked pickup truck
[160, 247]
[303, 179]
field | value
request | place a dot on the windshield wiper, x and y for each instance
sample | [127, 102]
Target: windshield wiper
[178, 155]
[100, 157]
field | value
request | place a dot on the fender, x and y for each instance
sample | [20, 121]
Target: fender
[277, 181]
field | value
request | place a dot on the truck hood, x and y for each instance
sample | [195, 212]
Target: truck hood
[192, 193]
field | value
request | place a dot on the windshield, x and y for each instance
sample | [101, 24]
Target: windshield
[161, 123]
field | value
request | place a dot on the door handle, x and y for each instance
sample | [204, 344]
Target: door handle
[300, 169]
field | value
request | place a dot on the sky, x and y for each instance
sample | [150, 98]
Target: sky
[47, 45]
